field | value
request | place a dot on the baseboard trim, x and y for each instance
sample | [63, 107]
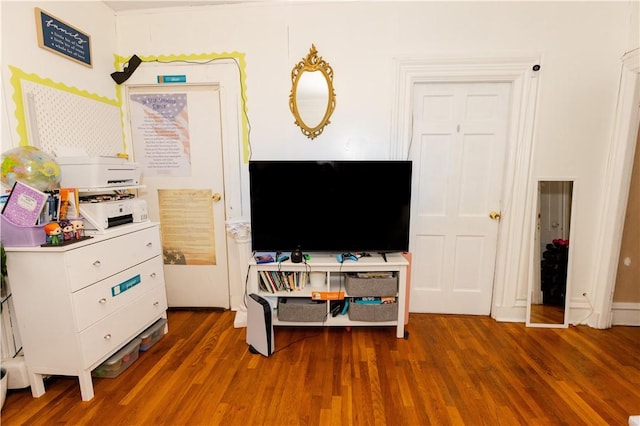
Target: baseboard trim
[509, 314]
[625, 314]
[580, 312]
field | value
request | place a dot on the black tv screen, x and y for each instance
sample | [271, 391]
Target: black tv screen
[330, 206]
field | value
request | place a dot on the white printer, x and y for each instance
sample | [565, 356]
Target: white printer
[102, 216]
[97, 172]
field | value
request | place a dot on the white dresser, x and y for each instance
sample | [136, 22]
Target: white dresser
[77, 304]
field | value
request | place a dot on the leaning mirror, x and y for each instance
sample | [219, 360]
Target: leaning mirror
[312, 99]
[549, 282]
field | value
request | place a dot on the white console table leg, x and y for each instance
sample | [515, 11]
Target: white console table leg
[86, 385]
[402, 302]
[37, 385]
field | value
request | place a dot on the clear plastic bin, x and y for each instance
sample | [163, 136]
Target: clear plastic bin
[151, 335]
[120, 361]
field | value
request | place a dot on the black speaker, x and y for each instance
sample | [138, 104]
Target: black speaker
[296, 256]
[121, 76]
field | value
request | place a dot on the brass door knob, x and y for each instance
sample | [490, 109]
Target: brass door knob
[216, 197]
[494, 215]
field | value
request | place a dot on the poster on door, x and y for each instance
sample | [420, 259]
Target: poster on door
[186, 225]
[160, 132]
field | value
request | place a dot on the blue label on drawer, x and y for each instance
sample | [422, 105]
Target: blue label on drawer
[125, 285]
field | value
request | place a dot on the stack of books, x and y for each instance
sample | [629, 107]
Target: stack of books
[277, 281]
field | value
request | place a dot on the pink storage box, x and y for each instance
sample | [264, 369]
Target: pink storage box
[13, 235]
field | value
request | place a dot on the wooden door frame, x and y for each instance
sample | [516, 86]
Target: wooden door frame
[513, 251]
[227, 73]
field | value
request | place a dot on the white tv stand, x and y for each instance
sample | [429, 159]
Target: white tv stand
[334, 282]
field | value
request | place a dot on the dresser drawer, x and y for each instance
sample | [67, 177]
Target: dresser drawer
[95, 302]
[113, 331]
[98, 261]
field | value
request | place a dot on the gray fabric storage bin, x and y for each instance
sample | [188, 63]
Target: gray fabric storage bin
[300, 309]
[372, 313]
[363, 286]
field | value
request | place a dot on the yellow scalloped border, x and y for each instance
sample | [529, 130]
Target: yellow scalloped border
[17, 75]
[119, 61]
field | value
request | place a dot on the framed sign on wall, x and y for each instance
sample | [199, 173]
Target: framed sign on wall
[63, 39]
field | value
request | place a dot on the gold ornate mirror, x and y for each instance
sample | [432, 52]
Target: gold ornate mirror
[312, 99]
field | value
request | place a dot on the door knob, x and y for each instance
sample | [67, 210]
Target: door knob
[494, 215]
[216, 197]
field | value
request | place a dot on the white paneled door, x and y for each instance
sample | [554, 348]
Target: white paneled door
[458, 153]
[177, 137]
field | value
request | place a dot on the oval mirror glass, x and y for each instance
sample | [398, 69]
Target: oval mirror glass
[312, 99]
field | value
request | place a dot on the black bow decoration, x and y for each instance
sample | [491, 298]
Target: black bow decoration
[121, 76]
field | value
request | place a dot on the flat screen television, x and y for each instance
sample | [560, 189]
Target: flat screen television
[330, 206]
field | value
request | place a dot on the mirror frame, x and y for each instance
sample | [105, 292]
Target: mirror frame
[535, 257]
[312, 62]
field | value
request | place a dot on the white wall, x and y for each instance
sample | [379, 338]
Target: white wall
[20, 49]
[580, 43]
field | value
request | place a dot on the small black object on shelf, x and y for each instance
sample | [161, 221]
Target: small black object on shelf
[296, 256]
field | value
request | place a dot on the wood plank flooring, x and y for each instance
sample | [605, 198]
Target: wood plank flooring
[452, 370]
[547, 314]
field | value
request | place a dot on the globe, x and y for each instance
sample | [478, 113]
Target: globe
[32, 166]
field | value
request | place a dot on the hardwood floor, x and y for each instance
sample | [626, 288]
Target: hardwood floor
[452, 370]
[547, 314]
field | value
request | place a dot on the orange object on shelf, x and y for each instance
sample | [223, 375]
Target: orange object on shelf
[327, 295]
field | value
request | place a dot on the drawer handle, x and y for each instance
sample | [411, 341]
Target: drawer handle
[149, 244]
[102, 301]
[156, 304]
[152, 275]
[96, 263]
[107, 336]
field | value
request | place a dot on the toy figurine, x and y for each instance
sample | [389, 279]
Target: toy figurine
[78, 228]
[54, 233]
[67, 230]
